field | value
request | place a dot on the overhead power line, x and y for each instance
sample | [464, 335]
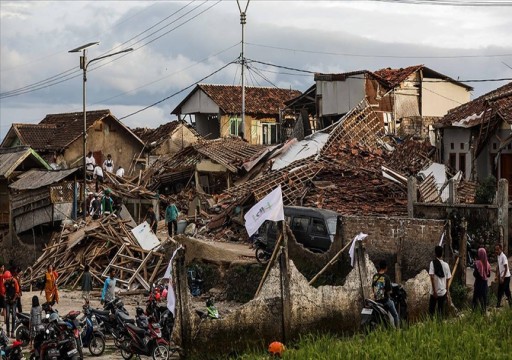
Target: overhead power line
[464, 3]
[180, 91]
[376, 56]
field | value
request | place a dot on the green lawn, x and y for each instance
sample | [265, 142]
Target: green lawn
[471, 336]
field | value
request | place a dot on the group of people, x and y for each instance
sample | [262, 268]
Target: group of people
[439, 272]
[10, 294]
[171, 219]
[95, 171]
[99, 206]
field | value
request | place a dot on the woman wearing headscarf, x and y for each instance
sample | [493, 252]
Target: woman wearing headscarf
[481, 273]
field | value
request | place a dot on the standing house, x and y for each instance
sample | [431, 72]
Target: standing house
[476, 138]
[217, 110]
[58, 138]
[167, 139]
[13, 162]
[407, 100]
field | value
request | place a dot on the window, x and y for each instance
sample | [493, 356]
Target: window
[494, 146]
[453, 161]
[319, 227]
[462, 163]
[235, 124]
[452, 146]
[300, 224]
[462, 146]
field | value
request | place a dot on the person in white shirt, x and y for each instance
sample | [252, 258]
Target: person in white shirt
[98, 175]
[108, 164]
[90, 163]
[439, 272]
[120, 172]
[503, 276]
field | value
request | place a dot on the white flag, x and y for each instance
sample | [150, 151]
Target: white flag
[268, 208]
[171, 297]
[352, 250]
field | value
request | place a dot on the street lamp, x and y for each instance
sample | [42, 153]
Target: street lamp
[83, 65]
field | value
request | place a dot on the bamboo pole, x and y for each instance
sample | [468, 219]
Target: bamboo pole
[334, 258]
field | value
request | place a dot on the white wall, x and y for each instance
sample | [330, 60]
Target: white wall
[339, 97]
[440, 96]
[199, 102]
[457, 136]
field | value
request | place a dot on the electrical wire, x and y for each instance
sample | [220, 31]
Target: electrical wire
[179, 91]
[376, 56]
[57, 78]
[463, 3]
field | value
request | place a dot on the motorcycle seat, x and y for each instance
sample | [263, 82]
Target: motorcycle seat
[136, 329]
[125, 318]
[104, 313]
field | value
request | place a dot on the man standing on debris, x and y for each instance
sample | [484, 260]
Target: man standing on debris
[171, 219]
[98, 175]
[439, 272]
[109, 288]
[151, 219]
[107, 204]
[120, 171]
[503, 276]
[108, 164]
[12, 293]
[95, 209]
[381, 286]
[90, 163]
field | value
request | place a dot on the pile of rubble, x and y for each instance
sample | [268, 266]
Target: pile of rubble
[102, 244]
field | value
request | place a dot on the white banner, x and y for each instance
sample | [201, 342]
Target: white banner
[268, 208]
[171, 297]
[351, 252]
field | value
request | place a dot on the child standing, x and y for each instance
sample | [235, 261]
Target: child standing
[86, 283]
[35, 316]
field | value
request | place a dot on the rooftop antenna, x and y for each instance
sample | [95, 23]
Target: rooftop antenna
[242, 22]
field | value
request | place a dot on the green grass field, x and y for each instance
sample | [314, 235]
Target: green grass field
[471, 336]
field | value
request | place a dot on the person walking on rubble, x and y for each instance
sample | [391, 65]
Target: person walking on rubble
[90, 163]
[171, 219]
[109, 288]
[481, 273]
[439, 272]
[95, 209]
[50, 288]
[98, 175]
[17, 275]
[108, 164]
[107, 204]
[503, 276]
[151, 219]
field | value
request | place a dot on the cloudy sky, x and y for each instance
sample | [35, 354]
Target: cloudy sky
[177, 43]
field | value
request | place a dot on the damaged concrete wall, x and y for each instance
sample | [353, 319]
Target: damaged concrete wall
[325, 309]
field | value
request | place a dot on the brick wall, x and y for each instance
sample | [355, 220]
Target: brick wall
[416, 126]
[420, 236]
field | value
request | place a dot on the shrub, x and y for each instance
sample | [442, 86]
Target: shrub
[486, 191]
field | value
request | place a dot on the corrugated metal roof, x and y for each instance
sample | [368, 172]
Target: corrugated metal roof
[11, 158]
[258, 100]
[35, 179]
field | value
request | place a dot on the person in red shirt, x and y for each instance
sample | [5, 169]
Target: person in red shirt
[12, 293]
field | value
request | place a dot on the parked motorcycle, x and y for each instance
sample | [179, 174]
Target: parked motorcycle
[91, 337]
[110, 321]
[9, 352]
[21, 328]
[160, 314]
[375, 314]
[57, 341]
[148, 342]
[263, 250]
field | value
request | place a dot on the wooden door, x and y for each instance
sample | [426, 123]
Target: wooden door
[506, 167]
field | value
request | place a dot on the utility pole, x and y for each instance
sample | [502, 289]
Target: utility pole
[243, 18]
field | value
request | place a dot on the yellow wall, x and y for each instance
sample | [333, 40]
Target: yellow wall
[179, 139]
[253, 133]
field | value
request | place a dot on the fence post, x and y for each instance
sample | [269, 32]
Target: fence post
[182, 302]
[412, 195]
[502, 202]
[285, 286]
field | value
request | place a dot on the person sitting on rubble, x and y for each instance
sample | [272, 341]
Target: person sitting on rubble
[120, 171]
[107, 204]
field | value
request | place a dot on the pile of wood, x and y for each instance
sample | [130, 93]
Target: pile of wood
[102, 244]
